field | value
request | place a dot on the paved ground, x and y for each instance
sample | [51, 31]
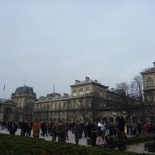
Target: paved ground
[139, 148]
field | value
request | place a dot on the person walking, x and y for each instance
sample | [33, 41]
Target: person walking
[122, 139]
[23, 128]
[36, 129]
[12, 127]
[93, 136]
[44, 129]
[61, 131]
[54, 131]
[77, 132]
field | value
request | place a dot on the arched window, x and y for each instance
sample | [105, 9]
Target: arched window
[87, 90]
[81, 92]
[149, 81]
[74, 92]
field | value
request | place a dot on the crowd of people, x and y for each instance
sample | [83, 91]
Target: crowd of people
[100, 134]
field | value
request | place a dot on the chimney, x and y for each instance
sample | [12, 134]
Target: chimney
[77, 81]
[112, 89]
[65, 95]
[154, 64]
[87, 78]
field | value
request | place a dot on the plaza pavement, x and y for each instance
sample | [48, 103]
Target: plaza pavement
[139, 148]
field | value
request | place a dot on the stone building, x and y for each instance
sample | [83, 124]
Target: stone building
[89, 101]
[7, 109]
[149, 83]
[24, 98]
[149, 92]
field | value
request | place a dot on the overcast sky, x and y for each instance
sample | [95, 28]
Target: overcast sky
[55, 42]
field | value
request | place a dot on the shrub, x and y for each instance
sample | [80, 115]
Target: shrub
[19, 145]
[150, 147]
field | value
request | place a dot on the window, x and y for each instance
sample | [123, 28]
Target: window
[74, 105]
[81, 91]
[55, 106]
[59, 105]
[149, 81]
[87, 90]
[64, 105]
[101, 92]
[74, 92]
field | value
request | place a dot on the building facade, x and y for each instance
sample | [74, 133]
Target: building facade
[20, 106]
[88, 100]
[149, 91]
[7, 110]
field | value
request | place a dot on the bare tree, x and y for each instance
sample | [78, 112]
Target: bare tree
[150, 104]
[123, 97]
[88, 106]
[137, 92]
[67, 107]
[83, 108]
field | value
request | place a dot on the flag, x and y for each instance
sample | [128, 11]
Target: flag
[4, 87]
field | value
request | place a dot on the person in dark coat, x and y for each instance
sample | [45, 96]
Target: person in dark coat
[54, 131]
[88, 129]
[77, 132]
[121, 123]
[61, 131]
[122, 140]
[23, 128]
[93, 136]
[110, 141]
[44, 129]
[29, 128]
[12, 128]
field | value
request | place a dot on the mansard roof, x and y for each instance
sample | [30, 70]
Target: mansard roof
[53, 97]
[3, 100]
[24, 90]
[7, 102]
[88, 81]
[149, 70]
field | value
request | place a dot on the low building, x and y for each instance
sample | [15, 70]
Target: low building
[7, 109]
